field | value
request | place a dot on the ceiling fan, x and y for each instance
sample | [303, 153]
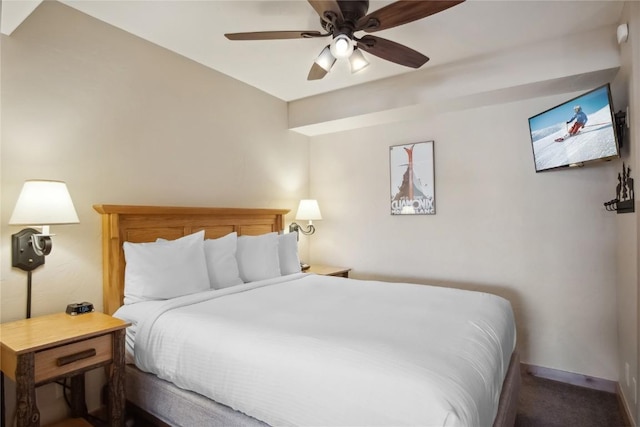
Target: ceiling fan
[342, 18]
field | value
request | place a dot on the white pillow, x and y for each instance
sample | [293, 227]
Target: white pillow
[221, 261]
[166, 269]
[288, 253]
[258, 257]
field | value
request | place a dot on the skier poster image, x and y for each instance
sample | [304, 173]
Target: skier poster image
[577, 131]
[412, 179]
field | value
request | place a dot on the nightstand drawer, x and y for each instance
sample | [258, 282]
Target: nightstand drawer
[72, 357]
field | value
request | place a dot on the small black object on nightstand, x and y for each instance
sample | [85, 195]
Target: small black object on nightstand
[79, 308]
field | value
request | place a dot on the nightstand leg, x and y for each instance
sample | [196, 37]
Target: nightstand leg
[116, 402]
[78, 397]
[27, 411]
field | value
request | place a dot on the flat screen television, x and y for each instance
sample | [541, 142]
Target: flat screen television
[561, 137]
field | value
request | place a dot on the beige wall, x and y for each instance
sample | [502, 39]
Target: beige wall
[633, 16]
[627, 86]
[626, 89]
[125, 122]
[542, 240]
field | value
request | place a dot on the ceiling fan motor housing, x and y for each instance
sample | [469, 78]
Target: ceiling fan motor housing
[352, 11]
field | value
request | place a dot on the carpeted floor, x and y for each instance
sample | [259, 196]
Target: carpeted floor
[547, 403]
[544, 403]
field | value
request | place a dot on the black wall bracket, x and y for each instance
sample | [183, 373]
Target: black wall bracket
[621, 122]
[625, 194]
[23, 254]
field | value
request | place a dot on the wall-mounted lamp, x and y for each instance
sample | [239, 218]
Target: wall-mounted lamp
[308, 210]
[41, 203]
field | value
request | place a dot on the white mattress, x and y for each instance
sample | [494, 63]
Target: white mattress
[317, 350]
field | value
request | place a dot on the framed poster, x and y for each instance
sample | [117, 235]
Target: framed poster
[412, 179]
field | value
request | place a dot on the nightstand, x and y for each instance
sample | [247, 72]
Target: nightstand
[44, 349]
[325, 270]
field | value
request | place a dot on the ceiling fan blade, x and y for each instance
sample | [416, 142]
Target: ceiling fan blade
[273, 35]
[330, 6]
[402, 12]
[316, 72]
[392, 51]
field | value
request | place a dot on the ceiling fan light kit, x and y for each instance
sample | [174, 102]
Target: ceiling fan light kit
[341, 19]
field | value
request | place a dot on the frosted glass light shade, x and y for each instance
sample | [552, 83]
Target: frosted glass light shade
[308, 209]
[44, 203]
[357, 61]
[341, 46]
[325, 59]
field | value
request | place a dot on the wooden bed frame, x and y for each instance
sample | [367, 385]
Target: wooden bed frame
[126, 223]
[121, 223]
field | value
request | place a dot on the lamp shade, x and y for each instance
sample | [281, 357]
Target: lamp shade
[325, 60]
[357, 61]
[341, 46]
[308, 210]
[44, 203]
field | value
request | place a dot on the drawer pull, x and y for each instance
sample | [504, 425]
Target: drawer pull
[65, 360]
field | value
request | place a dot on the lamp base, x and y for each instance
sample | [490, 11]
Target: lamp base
[23, 255]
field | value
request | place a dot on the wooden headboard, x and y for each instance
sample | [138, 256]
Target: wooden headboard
[126, 223]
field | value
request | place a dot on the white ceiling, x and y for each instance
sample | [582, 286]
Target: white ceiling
[195, 29]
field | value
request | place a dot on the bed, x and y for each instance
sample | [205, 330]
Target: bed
[303, 349]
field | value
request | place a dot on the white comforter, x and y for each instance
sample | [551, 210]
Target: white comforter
[313, 350]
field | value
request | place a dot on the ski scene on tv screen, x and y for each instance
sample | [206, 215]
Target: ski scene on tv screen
[577, 131]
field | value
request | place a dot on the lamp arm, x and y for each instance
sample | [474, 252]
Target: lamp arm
[298, 228]
[42, 244]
